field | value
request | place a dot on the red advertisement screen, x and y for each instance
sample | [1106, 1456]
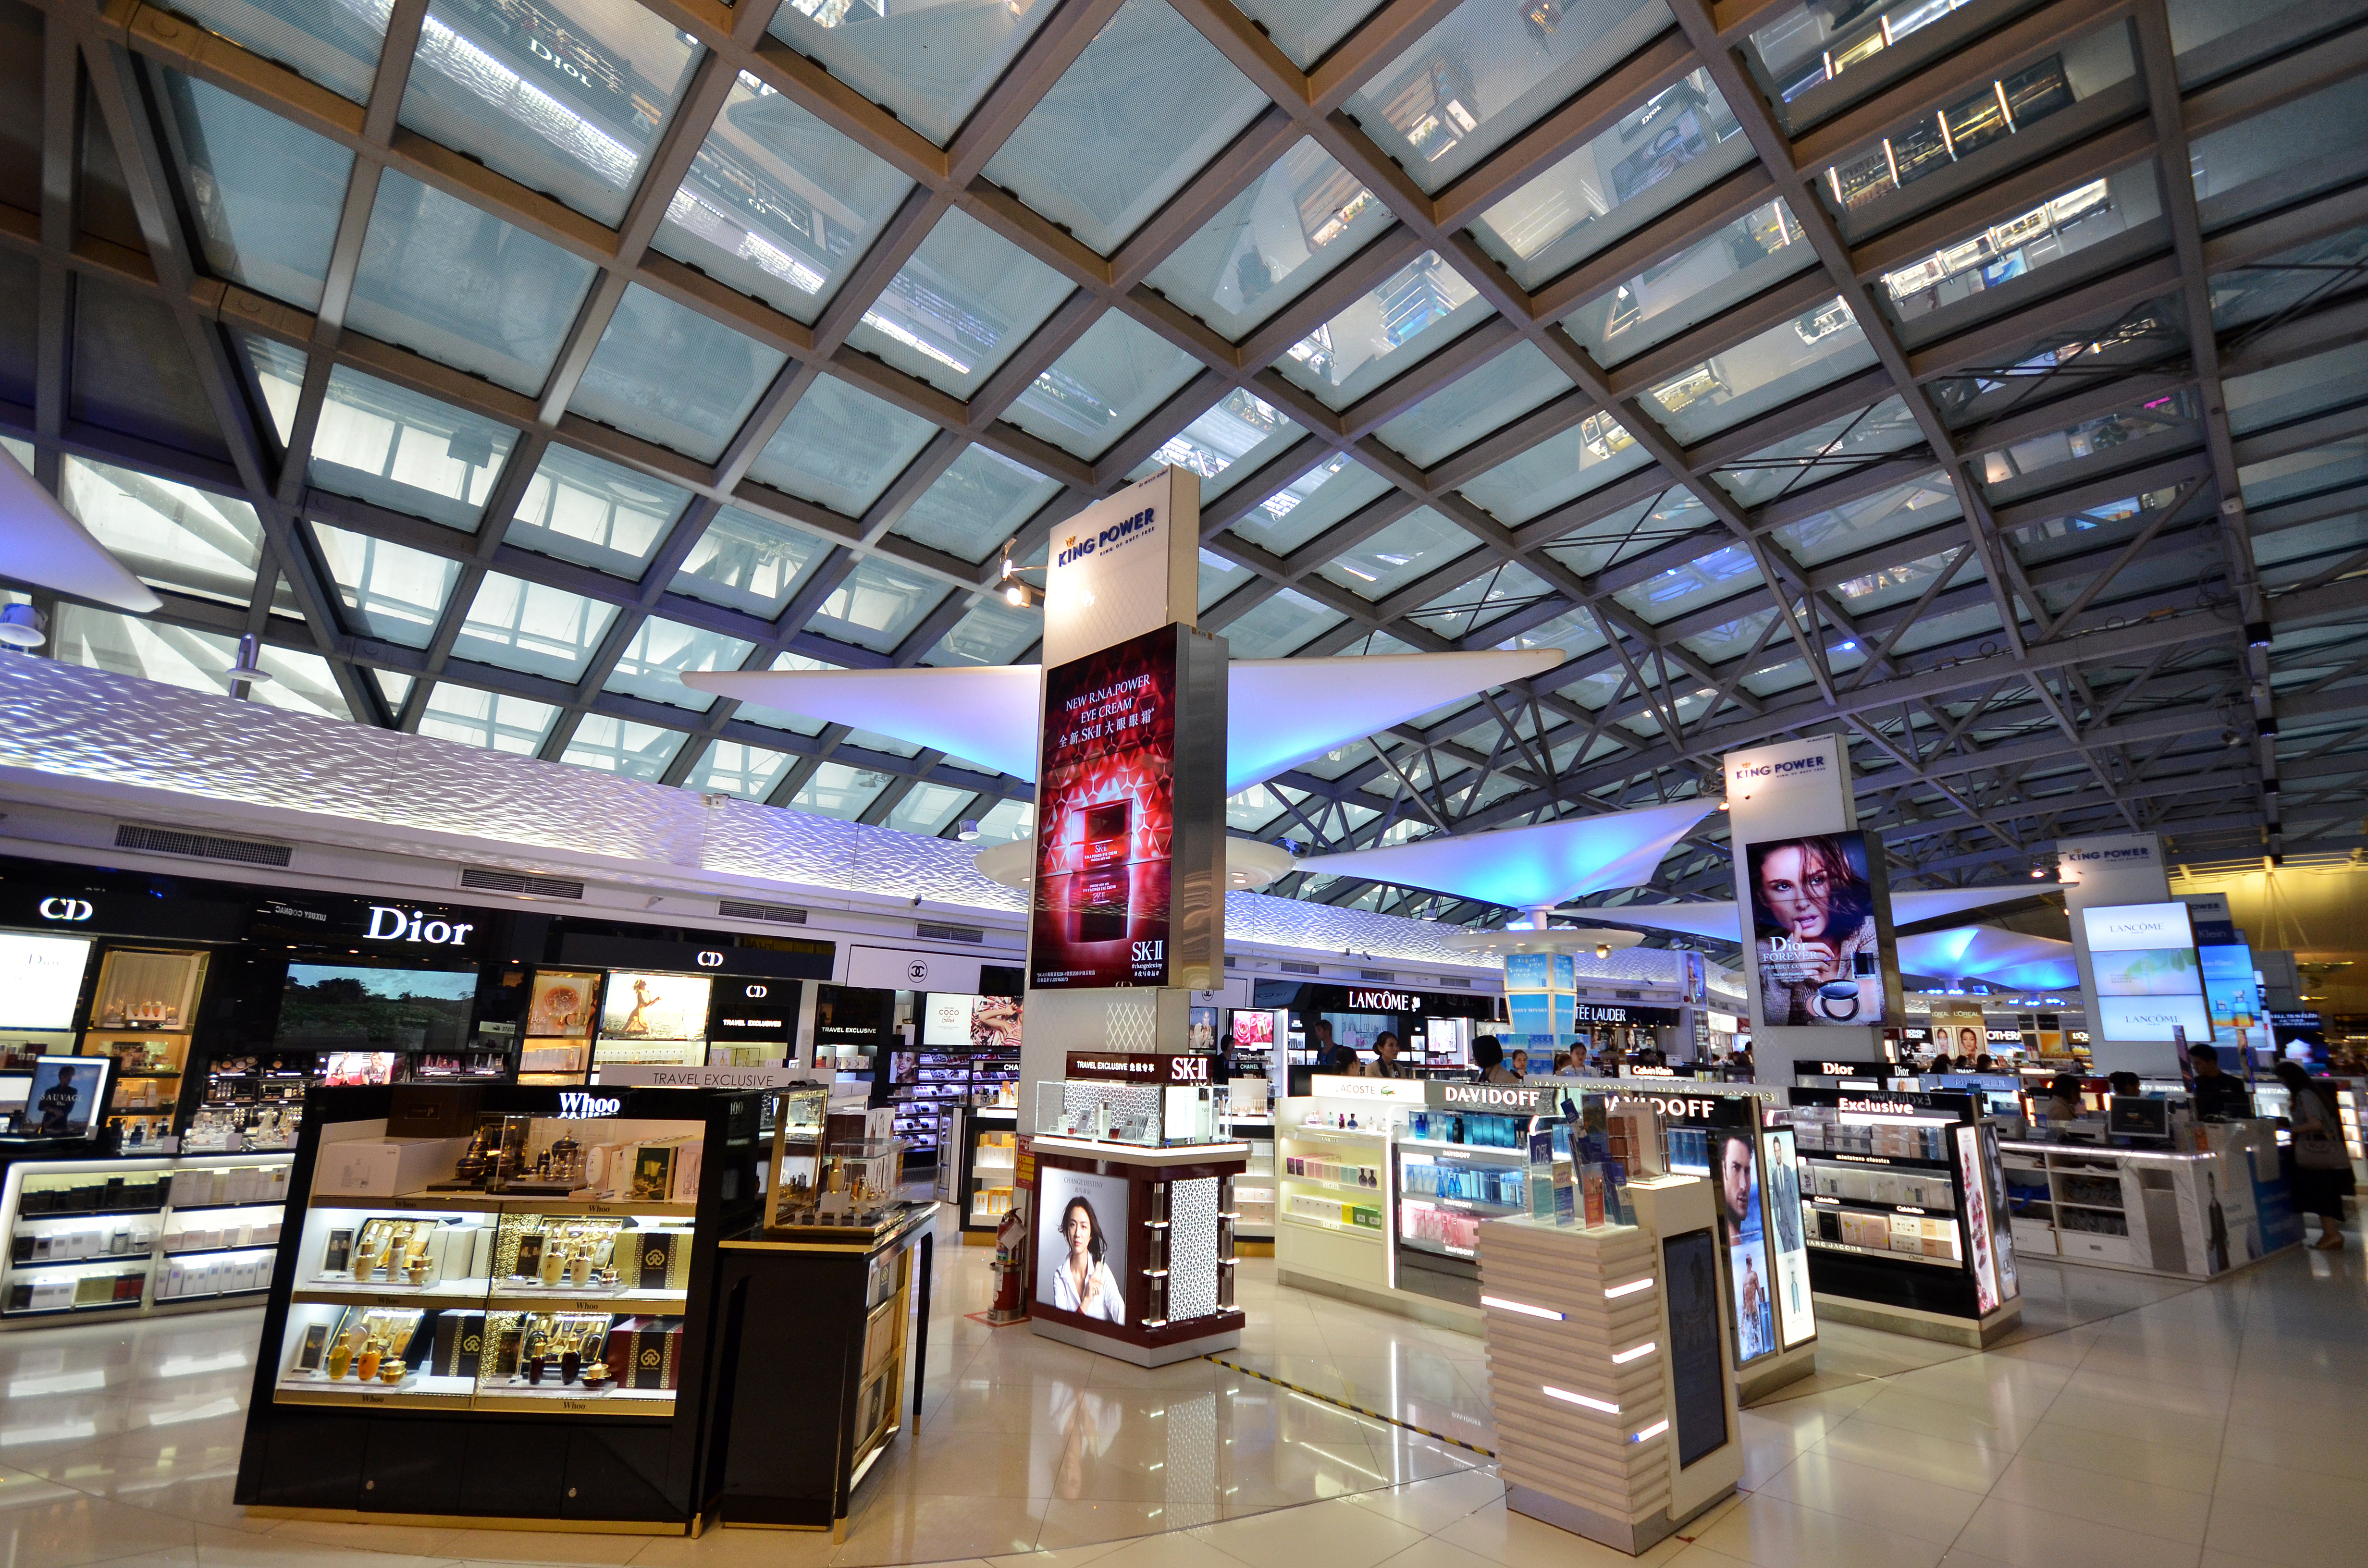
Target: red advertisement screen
[1105, 816]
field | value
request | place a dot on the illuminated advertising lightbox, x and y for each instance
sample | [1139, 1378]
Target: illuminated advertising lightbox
[2148, 980]
[1129, 839]
[1106, 817]
[43, 977]
[1814, 930]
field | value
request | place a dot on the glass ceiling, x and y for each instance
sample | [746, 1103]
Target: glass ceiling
[624, 360]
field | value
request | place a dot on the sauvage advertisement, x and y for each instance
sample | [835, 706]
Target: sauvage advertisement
[1106, 817]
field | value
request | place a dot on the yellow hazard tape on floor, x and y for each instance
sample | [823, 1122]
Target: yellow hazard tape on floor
[1352, 1409]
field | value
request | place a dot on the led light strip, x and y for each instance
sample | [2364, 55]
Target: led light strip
[1630, 1289]
[1521, 1307]
[1627, 1356]
[1553, 1392]
[1649, 1433]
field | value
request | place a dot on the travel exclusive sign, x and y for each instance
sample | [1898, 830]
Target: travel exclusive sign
[1122, 567]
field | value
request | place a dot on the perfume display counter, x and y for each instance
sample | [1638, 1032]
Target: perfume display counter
[92, 1236]
[1135, 1209]
[495, 1306]
[1611, 1365]
[799, 1426]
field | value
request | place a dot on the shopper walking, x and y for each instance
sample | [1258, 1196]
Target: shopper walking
[2322, 1169]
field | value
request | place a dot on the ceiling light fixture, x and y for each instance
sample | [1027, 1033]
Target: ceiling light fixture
[22, 626]
[249, 667]
[968, 831]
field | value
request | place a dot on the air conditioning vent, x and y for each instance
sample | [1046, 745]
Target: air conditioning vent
[1456, 982]
[1292, 967]
[1629, 995]
[935, 933]
[513, 881]
[1386, 976]
[200, 845]
[779, 914]
[1233, 961]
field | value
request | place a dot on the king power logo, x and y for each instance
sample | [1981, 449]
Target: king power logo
[1124, 531]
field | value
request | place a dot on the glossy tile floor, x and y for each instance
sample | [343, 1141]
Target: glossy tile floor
[2134, 1422]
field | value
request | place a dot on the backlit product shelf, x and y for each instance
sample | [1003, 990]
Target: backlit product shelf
[72, 1226]
[567, 1322]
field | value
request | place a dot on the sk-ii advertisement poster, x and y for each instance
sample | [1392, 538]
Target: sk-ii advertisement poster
[1106, 801]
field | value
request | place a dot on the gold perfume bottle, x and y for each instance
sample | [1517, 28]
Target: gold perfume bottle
[341, 1355]
[555, 1262]
[579, 1270]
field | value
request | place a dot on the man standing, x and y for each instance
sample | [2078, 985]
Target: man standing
[2218, 1096]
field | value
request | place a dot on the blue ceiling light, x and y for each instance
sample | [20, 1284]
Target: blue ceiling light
[1529, 867]
[1281, 712]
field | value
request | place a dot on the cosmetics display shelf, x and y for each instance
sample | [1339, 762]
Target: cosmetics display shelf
[89, 1255]
[574, 1328]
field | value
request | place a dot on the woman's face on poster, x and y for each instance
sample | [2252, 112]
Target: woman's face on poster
[1798, 890]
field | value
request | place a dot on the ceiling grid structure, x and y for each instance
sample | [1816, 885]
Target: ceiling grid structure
[1970, 377]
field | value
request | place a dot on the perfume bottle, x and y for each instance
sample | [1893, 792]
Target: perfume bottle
[555, 1263]
[341, 1355]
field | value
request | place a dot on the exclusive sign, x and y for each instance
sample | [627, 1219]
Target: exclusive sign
[1139, 1067]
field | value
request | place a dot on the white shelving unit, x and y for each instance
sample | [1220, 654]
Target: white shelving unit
[173, 1235]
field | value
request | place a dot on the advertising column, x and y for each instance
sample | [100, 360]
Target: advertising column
[1128, 906]
[2117, 869]
[1819, 956]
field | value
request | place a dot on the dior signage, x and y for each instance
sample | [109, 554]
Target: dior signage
[393, 923]
[72, 911]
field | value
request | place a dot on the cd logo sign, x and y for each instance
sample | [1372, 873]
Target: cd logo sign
[710, 960]
[70, 910]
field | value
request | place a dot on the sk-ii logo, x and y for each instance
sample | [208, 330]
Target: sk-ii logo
[1076, 547]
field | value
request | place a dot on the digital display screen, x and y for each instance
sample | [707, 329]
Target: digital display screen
[2150, 980]
[945, 1020]
[655, 1007]
[1105, 810]
[1253, 1029]
[365, 1008]
[1813, 933]
[1697, 1375]
[41, 980]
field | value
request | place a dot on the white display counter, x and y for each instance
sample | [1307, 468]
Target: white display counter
[2185, 1215]
[1610, 1367]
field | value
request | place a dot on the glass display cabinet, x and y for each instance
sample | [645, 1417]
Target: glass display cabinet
[530, 1279]
[1135, 1219]
[828, 1187]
